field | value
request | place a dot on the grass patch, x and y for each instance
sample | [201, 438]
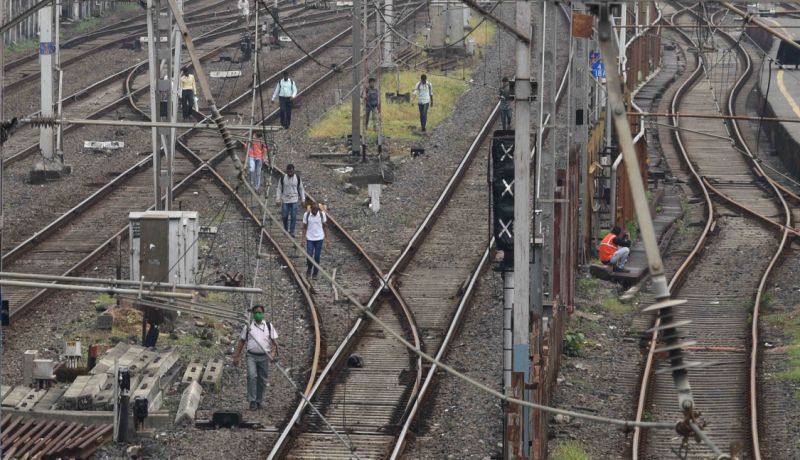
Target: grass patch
[632, 226]
[570, 450]
[85, 25]
[613, 305]
[586, 286]
[105, 300]
[789, 323]
[680, 226]
[400, 121]
[484, 30]
[22, 46]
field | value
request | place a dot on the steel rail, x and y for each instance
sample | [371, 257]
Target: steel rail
[466, 297]
[78, 209]
[71, 60]
[216, 33]
[221, 155]
[705, 186]
[679, 276]
[754, 325]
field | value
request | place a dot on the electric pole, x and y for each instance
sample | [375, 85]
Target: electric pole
[518, 427]
[153, 68]
[50, 166]
[388, 14]
[356, 96]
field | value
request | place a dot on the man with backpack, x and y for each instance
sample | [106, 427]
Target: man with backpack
[261, 339]
[424, 93]
[289, 193]
[372, 103]
[285, 91]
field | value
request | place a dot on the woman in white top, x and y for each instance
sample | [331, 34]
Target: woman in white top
[315, 231]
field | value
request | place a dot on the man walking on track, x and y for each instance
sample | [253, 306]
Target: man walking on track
[614, 250]
[285, 91]
[289, 193]
[372, 103]
[315, 232]
[424, 92]
[261, 340]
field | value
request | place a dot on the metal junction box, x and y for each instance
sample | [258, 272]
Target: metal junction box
[164, 246]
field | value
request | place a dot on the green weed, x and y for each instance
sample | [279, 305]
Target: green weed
[573, 343]
[105, 300]
[587, 286]
[22, 46]
[570, 450]
[613, 305]
[398, 119]
[633, 229]
[680, 226]
[85, 25]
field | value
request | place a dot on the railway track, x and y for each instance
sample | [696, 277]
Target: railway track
[84, 103]
[734, 246]
[26, 69]
[370, 405]
[82, 233]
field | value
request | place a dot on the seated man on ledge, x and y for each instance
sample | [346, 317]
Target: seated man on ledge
[614, 250]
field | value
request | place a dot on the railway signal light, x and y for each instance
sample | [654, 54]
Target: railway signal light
[503, 189]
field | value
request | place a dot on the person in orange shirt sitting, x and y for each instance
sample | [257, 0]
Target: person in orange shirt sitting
[256, 154]
[614, 250]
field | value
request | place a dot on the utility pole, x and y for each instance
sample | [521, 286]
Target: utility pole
[388, 14]
[50, 166]
[438, 25]
[173, 90]
[518, 434]
[356, 96]
[153, 68]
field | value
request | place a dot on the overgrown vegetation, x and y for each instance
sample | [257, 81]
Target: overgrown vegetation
[569, 450]
[789, 323]
[613, 305]
[401, 121]
[22, 47]
[633, 229]
[573, 343]
[680, 226]
[586, 286]
[85, 25]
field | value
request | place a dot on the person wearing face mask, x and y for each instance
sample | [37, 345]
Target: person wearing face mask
[261, 339]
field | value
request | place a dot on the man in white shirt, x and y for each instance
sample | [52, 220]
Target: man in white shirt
[424, 93]
[285, 91]
[261, 339]
[315, 232]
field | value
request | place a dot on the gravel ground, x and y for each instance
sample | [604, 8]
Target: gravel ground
[62, 311]
[778, 399]
[462, 421]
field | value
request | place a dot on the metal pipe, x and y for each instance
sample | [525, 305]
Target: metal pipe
[116, 282]
[749, 17]
[141, 124]
[111, 290]
[711, 116]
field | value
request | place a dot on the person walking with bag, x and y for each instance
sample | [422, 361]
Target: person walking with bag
[315, 232]
[289, 193]
[285, 91]
[424, 92]
[261, 340]
[256, 155]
